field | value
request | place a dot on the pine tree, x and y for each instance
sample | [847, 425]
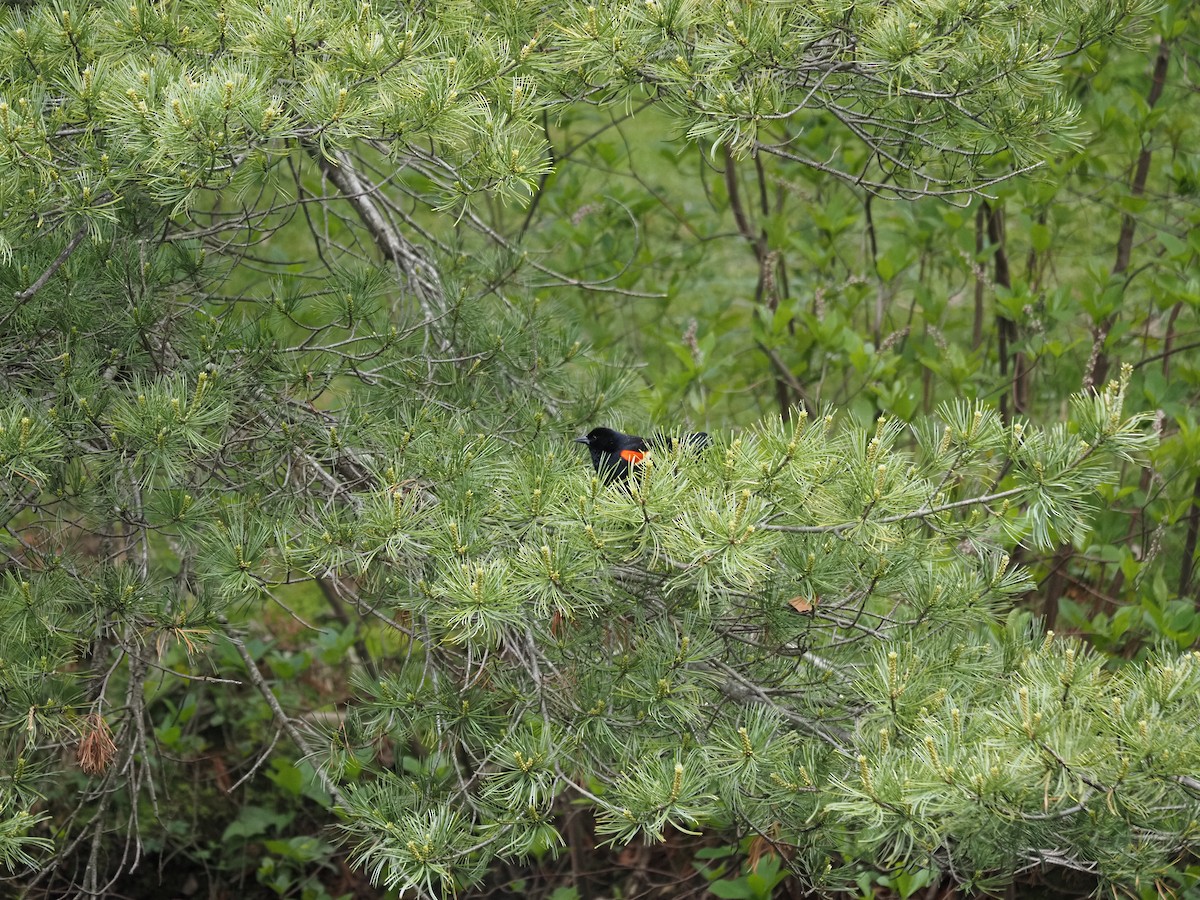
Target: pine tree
[261, 329]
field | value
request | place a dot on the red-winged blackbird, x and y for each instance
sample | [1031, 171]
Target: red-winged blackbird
[614, 453]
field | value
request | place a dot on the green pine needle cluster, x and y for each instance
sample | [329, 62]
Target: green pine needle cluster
[246, 355]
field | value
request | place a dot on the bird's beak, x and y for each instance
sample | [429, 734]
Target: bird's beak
[581, 440]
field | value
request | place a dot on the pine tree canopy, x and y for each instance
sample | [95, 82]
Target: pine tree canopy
[288, 351]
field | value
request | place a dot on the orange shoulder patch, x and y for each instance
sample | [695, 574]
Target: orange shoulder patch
[632, 457]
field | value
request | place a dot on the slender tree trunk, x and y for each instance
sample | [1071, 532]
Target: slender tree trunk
[980, 281]
[1137, 526]
[772, 272]
[1007, 334]
[1187, 567]
[1056, 583]
[1098, 365]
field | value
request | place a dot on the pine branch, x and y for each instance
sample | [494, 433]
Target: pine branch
[922, 513]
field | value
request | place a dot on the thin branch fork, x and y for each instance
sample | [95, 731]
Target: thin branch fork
[72, 245]
[284, 720]
[900, 517]
[394, 246]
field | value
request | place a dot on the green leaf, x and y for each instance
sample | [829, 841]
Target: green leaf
[1039, 237]
[253, 821]
[732, 889]
[286, 776]
[1176, 248]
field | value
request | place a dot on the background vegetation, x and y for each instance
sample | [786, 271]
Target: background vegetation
[304, 592]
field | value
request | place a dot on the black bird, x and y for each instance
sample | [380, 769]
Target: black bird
[614, 454]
